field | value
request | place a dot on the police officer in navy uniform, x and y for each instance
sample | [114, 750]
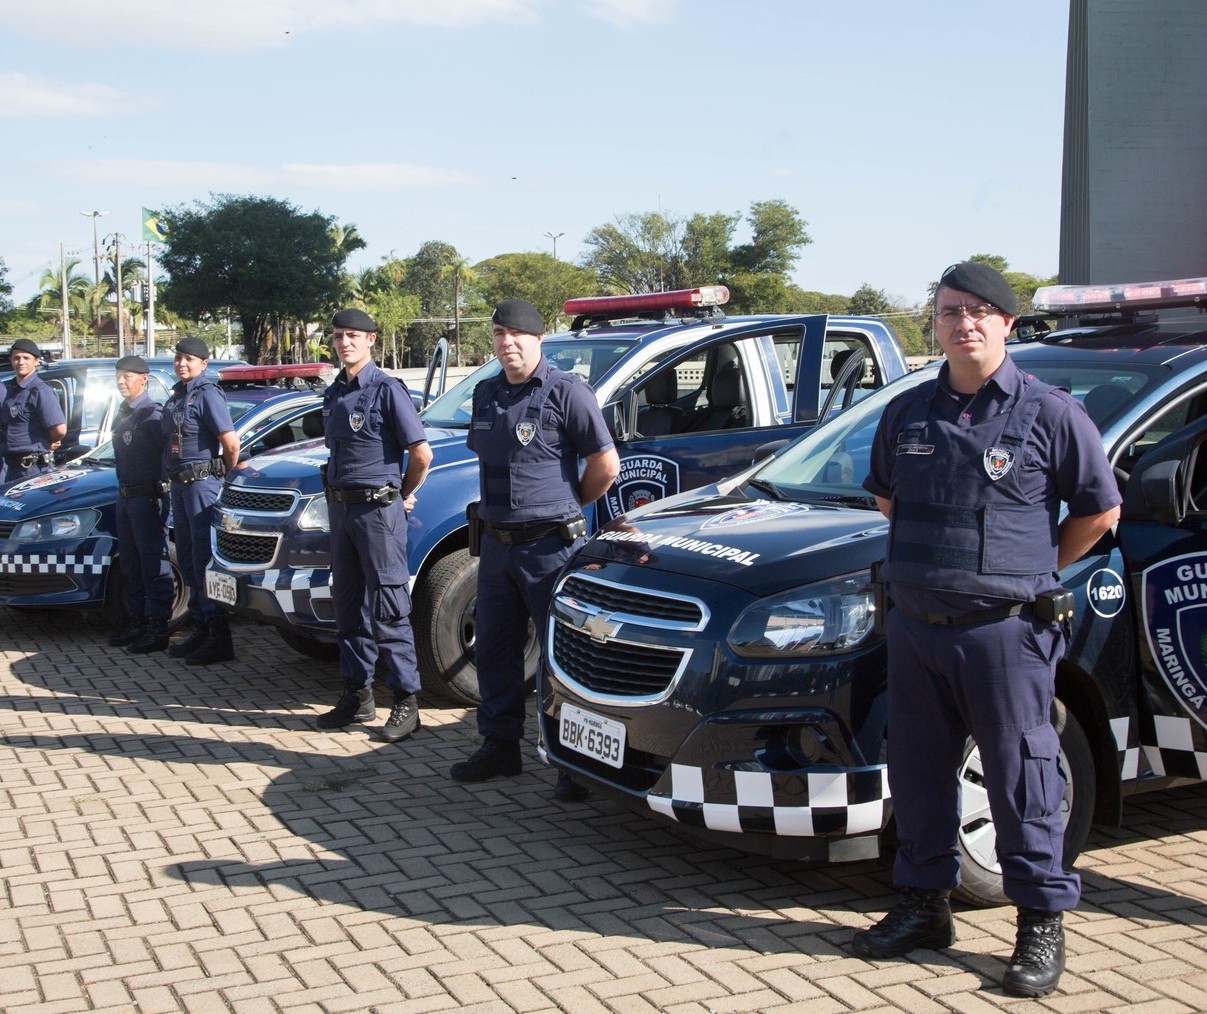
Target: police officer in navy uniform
[971, 469]
[32, 424]
[200, 446]
[142, 511]
[370, 424]
[531, 425]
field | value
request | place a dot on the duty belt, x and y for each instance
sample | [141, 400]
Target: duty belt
[976, 616]
[27, 460]
[382, 495]
[520, 536]
[143, 489]
[195, 470]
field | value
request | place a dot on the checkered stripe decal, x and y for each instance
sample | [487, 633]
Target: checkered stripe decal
[1129, 756]
[295, 590]
[832, 804]
[94, 562]
[1175, 746]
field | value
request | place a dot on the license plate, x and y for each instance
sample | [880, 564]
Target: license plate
[222, 588]
[592, 735]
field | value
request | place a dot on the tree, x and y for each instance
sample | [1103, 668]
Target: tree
[778, 236]
[48, 303]
[542, 280]
[866, 300]
[425, 278]
[461, 274]
[637, 253]
[258, 258]
[6, 289]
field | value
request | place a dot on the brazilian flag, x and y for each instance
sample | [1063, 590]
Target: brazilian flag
[154, 228]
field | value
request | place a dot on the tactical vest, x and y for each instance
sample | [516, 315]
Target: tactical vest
[22, 432]
[181, 421]
[357, 439]
[526, 470]
[960, 519]
[137, 446]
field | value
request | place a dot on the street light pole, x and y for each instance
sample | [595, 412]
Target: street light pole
[555, 237]
[96, 261]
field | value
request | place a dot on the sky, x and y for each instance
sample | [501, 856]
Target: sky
[907, 135]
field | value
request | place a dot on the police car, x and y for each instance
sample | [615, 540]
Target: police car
[58, 535]
[712, 657]
[691, 395]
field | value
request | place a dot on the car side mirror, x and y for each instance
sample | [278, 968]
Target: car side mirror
[1165, 491]
[765, 451]
[621, 417]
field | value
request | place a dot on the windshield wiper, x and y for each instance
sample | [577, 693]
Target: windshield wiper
[763, 486]
[862, 500]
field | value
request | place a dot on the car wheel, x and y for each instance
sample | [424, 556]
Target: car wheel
[114, 610]
[980, 873]
[323, 651]
[446, 629]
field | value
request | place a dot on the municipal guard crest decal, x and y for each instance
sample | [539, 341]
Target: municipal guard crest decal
[356, 420]
[643, 479]
[998, 462]
[524, 432]
[1174, 600]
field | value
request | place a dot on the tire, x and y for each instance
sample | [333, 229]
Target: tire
[323, 651]
[445, 631]
[980, 874]
[114, 610]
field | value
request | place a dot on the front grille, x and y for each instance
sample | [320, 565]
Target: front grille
[240, 548]
[615, 599]
[614, 667]
[245, 498]
[16, 585]
[7, 528]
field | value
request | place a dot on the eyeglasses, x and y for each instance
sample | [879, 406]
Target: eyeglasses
[974, 312]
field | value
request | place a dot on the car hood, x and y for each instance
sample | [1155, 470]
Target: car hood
[762, 546]
[65, 488]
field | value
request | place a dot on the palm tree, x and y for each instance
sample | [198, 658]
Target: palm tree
[462, 274]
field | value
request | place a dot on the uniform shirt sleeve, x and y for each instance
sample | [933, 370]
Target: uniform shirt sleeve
[1084, 478]
[49, 409]
[215, 412]
[879, 480]
[404, 417]
[583, 421]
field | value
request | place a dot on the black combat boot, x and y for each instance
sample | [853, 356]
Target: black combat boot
[1039, 954]
[217, 646]
[568, 790]
[190, 644]
[354, 705]
[404, 717]
[493, 758]
[132, 631]
[154, 637]
[921, 918]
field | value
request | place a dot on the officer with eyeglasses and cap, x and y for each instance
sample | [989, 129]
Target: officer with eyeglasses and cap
[379, 457]
[531, 426]
[32, 424]
[971, 469]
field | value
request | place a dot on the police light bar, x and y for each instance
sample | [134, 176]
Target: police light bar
[271, 372]
[1070, 299]
[647, 302]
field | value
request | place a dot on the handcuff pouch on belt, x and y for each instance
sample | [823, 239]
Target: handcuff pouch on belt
[1054, 606]
[474, 528]
[28, 460]
[151, 489]
[380, 497]
[190, 473]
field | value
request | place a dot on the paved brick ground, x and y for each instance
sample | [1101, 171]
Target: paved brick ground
[174, 839]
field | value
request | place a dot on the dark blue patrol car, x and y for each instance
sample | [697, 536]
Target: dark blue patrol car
[712, 657]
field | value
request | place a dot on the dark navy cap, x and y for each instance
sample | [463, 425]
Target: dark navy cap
[193, 347]
[131, 364]
[354, 320]
[25, 345]
[984, 281]
[518, 315]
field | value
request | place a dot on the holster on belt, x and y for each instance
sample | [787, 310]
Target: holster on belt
[474, 528]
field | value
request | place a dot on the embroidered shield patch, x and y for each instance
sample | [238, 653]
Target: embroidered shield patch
[127, 437]
[356, 420]
[524, 432]
[997, 462]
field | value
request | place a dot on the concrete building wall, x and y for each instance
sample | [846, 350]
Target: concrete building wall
[1134, 202]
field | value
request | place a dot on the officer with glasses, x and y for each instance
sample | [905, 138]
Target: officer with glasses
[971, 469]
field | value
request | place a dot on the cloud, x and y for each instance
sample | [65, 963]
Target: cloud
[27, 97]
[631, 13]
[237, 26]
[223, 177]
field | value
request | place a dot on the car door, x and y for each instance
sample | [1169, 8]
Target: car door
[702, 412]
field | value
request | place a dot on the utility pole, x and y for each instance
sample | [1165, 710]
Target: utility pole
[66, 308]
[555, 237]
[96, 261]
[150, 312]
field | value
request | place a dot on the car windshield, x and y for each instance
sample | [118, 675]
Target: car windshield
[590, 359]
[829, 464]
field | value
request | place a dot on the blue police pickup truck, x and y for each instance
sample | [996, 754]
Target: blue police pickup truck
[712, 657]
[692, 395]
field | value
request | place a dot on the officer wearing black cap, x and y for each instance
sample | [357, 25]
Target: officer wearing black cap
[200, 446]
[142, 511]
[370, 425]
[971, 469]
[531, 425]
[32, 424]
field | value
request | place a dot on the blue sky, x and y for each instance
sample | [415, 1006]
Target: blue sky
[908, 136]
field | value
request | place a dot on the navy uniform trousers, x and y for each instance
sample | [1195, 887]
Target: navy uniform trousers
[515, 584]
[192, 512]
[370, 593]
[995, 682]
[142, 536]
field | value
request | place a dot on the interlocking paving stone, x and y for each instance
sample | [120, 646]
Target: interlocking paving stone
[188, 841]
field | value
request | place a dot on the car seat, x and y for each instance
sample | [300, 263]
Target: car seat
[726, 406]
[659, 415]
[1104, 401]
[312, 425]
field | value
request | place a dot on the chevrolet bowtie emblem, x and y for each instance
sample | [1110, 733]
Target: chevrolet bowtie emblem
[229, 522]
[599, 627]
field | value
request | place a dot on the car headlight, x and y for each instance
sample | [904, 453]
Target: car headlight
[56, 527]
[315, 517]
[826, 618]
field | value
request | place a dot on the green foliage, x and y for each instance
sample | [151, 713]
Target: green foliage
[867, 300]
[24, 322]
[820, 302]
[542, 280]
[262, 258]
[778, 236]
[6, 289]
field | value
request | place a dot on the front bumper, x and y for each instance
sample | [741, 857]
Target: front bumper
[56, 574]
[296, 599]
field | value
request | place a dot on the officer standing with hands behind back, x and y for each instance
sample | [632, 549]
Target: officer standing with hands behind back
[32, 424]
[370, 424]
[142, 511]
[971, 468]
[531, 425]
[200, 446]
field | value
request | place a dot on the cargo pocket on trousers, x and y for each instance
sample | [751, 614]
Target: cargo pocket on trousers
[392, 603]
[1041, 776]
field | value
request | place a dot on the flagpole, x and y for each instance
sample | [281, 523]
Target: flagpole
[150, 316]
